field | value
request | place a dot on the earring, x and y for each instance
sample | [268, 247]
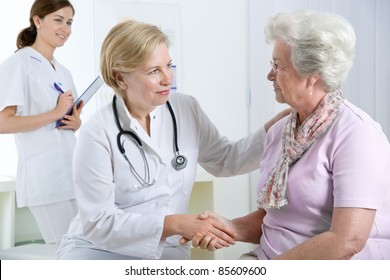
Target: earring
[38, 26]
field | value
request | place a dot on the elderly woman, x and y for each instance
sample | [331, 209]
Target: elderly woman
[324, 188]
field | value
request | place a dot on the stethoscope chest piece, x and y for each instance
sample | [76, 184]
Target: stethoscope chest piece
[179, 162]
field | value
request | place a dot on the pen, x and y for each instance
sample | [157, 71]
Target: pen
[58, 88]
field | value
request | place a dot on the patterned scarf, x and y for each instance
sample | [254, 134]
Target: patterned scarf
[296, 140]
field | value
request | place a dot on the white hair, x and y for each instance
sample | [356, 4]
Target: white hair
[321, 43]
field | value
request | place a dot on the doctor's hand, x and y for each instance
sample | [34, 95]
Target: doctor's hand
[194, 227]
[276, 118]
[209, 241]
[72, 121]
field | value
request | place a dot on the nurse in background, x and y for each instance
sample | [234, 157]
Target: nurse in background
[30, 106]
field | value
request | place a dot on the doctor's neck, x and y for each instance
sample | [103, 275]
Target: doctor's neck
[140, 114]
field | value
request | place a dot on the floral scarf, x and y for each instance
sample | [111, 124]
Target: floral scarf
[296, 140]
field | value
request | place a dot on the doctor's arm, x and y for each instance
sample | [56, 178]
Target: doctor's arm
[222, 158]
[276, 118]
[11, 123]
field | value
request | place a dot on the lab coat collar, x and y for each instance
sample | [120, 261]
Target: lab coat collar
[128, 122]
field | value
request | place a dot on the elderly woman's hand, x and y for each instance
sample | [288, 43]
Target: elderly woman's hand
[212, 241]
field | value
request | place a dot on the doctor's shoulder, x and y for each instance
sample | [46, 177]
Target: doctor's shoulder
[101, 119]
[182, 101]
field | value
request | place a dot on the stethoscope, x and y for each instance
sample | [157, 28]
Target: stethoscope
[178, 162]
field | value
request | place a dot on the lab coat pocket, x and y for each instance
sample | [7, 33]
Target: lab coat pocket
[44, 167]
[37, 143]
[48, 177]
[186, 176]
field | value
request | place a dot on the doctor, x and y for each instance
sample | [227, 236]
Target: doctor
[30, 107]
[136, 159]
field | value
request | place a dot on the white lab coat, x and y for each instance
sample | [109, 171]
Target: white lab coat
[114, 214]
[44, 172]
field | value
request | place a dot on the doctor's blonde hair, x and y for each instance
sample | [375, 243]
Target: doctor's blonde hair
[127, 46]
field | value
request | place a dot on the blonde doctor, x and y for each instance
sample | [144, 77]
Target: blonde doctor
[30, 106]
[136, 159]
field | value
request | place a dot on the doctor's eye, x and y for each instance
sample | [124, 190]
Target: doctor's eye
[155, 71]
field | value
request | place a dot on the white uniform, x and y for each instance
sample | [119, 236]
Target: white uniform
[44, 174]
[117, 219]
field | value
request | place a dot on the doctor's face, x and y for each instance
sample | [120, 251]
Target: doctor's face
[54, 29]
[149, 85]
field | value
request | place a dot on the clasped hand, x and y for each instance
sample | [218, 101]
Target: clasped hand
[223, 233]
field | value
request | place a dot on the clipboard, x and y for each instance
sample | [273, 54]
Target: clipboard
[86, 96]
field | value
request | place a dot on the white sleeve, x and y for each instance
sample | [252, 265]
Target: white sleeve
[222, 157]
[13, 83]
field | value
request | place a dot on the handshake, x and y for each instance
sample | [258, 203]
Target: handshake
[209, 231]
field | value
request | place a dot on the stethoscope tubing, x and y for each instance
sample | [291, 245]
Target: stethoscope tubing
[179, 161]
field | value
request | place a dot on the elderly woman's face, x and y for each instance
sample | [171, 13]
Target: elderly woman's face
[289, 87]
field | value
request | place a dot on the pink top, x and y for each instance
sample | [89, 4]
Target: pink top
[349, 166]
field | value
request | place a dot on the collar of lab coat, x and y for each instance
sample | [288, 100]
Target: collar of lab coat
[128, 122]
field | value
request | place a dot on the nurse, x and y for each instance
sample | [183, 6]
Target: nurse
[30, 105]
[135, 160]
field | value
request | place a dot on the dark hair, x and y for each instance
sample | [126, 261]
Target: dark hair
[40, 8]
